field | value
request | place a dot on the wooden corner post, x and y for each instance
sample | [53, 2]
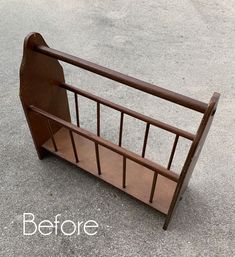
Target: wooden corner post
[38, 75]
[193, 155]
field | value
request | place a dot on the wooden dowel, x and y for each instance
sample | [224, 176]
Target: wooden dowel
[98, 119]
[153, 187]
[51, 135]
[130, 112]
[76, 108]
[173, 152]
[97, 157]
[74, 146]
[124, 79]
[124, 173]
[120, 129]
[145, 139]
[117, 149]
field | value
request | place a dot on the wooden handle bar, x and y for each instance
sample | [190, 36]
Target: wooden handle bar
[124, 79]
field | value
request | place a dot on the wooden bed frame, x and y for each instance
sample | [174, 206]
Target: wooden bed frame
[43, 93]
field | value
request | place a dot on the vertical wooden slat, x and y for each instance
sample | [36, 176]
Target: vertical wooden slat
[98, 119]
[51, 135]
[153, 187]
[173, 152]
[124, 173]
[76, 108]
[97, 157]
[74, 146]
[120, 129]
[145, 139]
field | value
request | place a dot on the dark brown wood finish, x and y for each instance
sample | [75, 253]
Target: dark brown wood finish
[120, 129]
[45, 103]
[97, 158]
[193, 155]
[153, 187]
[37, 73]
[129, 112]
[51, 135]
[120, 150]
[76, 109]
[145, 139]
[98, 119]
[173, 152]
[124, 79]
[138, 178]
[124, 173]
[74, 146]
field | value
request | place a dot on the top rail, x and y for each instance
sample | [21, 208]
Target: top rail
[124, 79]
[120, 150]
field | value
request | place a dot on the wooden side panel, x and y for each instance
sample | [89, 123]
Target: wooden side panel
[193, 155]
[38, 75]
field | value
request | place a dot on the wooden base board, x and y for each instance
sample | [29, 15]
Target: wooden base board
[138, 178]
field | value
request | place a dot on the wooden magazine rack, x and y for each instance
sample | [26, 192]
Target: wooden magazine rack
[43, 94]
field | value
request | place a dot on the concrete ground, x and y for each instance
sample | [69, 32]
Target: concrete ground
[186, 46]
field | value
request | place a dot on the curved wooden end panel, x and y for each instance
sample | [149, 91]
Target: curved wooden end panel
[38, 74]
[193, 155]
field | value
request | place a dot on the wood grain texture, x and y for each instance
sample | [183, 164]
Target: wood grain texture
[38, 74]
[138, 178]
[43, 93]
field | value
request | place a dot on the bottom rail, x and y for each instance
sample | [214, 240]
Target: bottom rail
[120, 150]
[137, 179]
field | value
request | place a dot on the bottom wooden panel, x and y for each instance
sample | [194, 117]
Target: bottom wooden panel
[138, 178]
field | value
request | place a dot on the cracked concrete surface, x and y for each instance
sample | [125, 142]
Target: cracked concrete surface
[185, 46]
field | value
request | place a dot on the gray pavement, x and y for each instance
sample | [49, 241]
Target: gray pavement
[185, 46]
